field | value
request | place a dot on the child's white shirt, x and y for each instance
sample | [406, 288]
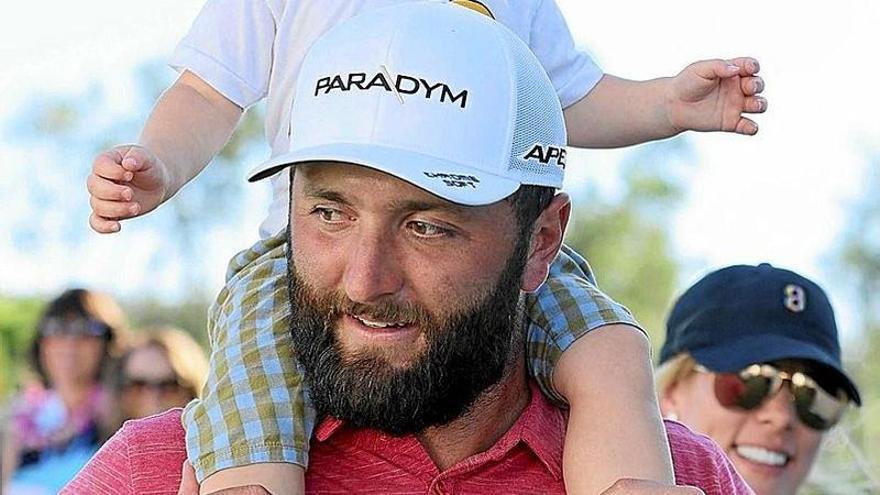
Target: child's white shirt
[252, 49]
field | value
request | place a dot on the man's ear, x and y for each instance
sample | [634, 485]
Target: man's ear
[546, 241]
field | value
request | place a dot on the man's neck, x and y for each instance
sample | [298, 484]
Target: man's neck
[494, 412]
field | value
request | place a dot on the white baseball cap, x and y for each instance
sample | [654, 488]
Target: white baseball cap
[433, 93]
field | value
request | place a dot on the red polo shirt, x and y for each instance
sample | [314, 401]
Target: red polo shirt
[525, 459]
[146, 456]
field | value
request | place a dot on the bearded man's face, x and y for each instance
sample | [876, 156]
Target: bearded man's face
[405, 307]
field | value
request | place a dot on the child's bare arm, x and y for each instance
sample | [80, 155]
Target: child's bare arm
[188, 126]
[614, 426]
[709, 95]
[271, 482]
[274, 478]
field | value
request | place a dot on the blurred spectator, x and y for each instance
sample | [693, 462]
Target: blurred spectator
[165, 369]
[752, 360]
[56, 426]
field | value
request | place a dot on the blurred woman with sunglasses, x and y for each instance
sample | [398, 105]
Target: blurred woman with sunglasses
[56, 426]
[752, 360]
[166, 369]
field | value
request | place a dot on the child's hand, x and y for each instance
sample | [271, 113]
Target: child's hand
[712, 95]
[126, 181]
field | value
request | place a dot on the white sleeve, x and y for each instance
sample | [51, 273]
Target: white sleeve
[230, 46]
[572, 71]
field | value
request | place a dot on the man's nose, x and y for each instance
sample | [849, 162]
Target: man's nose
[373, 268]
[778, 411]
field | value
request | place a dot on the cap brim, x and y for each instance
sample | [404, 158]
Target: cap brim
[449, 180]
[736, 355]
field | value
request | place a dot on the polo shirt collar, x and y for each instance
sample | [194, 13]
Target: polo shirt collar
[540, 427]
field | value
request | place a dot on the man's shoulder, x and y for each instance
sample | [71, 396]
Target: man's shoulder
[158, 440]
[145, 455]
[683, 440]
[165, 426]
[699, 461]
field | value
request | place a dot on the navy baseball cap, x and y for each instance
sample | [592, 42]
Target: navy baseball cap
[741, 315]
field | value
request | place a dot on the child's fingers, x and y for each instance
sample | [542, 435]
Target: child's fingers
[755, 104]
[749, 66]
[715, 69]
[107, 166]
[114, 209]
[751, 85]
[746, 126]
[102, 188]
[135, 159]
[103, 225]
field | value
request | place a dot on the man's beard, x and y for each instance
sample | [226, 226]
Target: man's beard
[467, 352]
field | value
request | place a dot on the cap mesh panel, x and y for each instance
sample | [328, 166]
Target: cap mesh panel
[539, 118]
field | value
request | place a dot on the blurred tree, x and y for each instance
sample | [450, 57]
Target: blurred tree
[850, 462]
[626, 239]
[18, 320]
[77, 127]
[190, 316]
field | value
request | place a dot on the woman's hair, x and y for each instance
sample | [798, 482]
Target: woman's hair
[186, 357]
[82, 304]
[673, 371]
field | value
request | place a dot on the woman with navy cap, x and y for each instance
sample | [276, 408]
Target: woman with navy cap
[752, 360]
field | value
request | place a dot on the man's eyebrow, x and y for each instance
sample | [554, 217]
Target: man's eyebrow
[328, 194]
[317, 192]
[421, 205]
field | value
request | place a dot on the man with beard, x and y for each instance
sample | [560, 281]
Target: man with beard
[427, 149]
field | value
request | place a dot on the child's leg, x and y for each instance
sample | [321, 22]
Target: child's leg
[254, 407]
[604, 376]
[564, 309]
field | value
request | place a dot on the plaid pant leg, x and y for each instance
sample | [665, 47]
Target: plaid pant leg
[254, 407]
[564, 309]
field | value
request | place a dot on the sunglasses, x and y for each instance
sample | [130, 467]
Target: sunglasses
[749, 388]
[167, 387]
[78, 327]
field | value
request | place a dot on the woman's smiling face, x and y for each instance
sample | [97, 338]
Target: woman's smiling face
[771, 448]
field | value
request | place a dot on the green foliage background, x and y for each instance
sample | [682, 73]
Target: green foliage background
[18, 317]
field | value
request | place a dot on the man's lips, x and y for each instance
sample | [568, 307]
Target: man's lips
[378, 328]
[372, 323]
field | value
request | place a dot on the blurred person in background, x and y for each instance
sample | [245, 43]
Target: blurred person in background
[752, 359]
[166, 368]
[56, 425]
